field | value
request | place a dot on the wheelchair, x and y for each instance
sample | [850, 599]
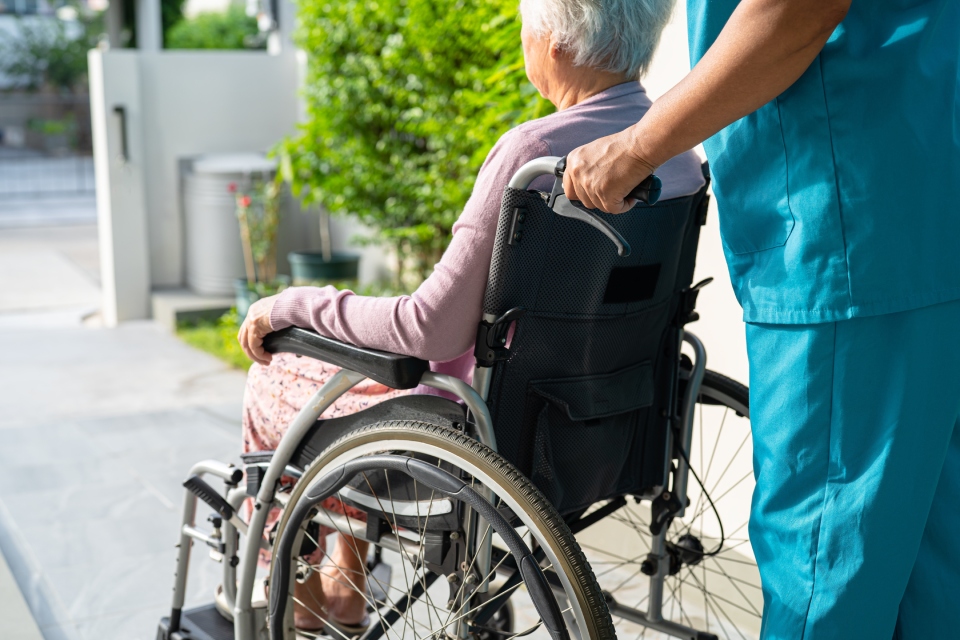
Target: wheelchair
[589, 483]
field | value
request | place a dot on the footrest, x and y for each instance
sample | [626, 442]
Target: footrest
[379, 582]
[201, 623]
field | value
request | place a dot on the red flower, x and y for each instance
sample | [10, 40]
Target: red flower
[244, 201]
[232, 187]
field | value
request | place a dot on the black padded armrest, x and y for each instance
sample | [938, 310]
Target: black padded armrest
[395, 371]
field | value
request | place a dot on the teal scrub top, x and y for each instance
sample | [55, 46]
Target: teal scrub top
[839, 198]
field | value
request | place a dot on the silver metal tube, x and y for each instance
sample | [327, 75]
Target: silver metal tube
[659, 550]
[532, 170]
[189, 514]
[340, 383]
[484, 433]
[216, 468]
[183, 551]
[476, 405]
[238, 524]
[196, 534]
[682, 474]
[481, 381]
[351, 527]
[484, 546]
[231, 541]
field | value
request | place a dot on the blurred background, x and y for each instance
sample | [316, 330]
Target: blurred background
[163, 163]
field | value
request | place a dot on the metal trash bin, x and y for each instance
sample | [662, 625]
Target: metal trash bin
[214, 255]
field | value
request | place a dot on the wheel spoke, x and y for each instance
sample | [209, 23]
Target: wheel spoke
[726, 587]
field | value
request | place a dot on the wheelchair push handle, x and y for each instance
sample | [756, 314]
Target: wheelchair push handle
[647, 192]
[563, 206]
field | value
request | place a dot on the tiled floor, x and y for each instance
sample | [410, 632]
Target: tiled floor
[90, 510]
[18, 623]
[98, 428]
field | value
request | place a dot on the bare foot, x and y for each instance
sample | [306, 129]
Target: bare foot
[310, 604]
[344, 581]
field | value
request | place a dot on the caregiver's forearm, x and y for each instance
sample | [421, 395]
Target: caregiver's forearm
[764, 47]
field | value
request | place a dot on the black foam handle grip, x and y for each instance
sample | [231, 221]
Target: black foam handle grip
[208, 494]
[647, 191]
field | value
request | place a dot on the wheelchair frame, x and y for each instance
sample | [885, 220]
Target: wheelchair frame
[239, 595]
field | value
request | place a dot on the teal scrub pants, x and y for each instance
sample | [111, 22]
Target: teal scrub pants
[856, 515]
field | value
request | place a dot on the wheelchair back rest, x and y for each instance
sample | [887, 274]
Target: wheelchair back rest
[578, 405]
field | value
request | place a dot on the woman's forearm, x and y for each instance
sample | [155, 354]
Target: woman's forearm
[763, 49]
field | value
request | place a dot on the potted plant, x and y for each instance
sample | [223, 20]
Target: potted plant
[325, 265]
[258, 211]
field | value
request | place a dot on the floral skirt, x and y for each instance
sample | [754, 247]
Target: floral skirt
[274, 396]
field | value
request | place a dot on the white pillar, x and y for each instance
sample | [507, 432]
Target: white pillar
[117, 117]
[281, 39]
[114, 19]
[149, 26]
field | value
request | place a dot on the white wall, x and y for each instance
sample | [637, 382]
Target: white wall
[198, 102]
[179, 104]
[720, 327]
[121, 207]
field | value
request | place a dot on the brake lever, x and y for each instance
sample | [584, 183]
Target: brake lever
[563, 206]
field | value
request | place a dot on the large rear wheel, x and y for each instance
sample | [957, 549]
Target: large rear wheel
[710, 587]
[442, 584]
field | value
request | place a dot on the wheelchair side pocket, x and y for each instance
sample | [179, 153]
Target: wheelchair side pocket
[582, 433]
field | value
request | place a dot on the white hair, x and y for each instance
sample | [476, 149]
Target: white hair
[619, 36]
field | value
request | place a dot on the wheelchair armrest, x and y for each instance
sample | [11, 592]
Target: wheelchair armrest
[395, 371]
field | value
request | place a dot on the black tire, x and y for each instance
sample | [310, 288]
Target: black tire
[534, 512]
[719, 389]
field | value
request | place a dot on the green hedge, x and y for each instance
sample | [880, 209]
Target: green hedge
[404, 100]
[231, 29]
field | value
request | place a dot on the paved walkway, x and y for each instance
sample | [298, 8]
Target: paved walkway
[98, 428]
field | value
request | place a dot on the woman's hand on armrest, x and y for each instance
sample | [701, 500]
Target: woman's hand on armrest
[254, 328]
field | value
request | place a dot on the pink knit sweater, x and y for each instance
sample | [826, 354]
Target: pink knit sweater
[438, 322]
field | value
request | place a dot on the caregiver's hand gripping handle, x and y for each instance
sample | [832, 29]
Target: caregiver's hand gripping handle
[647, 191]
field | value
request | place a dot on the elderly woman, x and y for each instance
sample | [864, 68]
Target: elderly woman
[586, 57]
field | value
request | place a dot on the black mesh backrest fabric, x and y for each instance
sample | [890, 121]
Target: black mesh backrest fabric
[579, 405]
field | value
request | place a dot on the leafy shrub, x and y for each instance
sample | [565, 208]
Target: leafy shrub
[404, 99]
[230, 29]
[51, 52]
[63, 126]
[171, 13]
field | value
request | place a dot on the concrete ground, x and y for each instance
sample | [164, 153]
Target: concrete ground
[98, 429]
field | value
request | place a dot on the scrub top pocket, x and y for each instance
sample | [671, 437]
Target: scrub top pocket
[757, 214]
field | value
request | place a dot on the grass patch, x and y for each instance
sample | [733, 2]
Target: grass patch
[218, 338]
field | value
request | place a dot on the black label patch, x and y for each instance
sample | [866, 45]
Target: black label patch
[632, 284]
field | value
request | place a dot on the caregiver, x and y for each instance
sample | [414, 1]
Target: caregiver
[833, 132]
